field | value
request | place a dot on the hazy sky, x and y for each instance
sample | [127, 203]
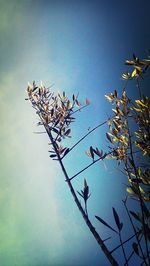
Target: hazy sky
[79, 46]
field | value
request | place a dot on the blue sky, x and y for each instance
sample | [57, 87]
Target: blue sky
[79, 46]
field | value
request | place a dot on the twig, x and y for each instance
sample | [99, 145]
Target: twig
[139, 194]
[138, 86]
[95, 161]
[132, 253]
[123, 250]
[87, 135]
[134, 229]
[123, 242]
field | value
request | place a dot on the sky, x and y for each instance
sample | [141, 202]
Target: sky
[80, 47]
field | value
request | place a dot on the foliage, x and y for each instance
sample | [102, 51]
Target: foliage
[129, 145]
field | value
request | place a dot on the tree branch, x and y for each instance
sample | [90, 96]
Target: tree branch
[85, 217]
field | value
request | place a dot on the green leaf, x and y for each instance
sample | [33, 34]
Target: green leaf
[106, 224]
[117, 220]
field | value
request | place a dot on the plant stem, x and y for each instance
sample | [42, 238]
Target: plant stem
[90, 131]
[139, 194]
[123, 250]
[89, 165]
[134, 229]
[85, 217]
[138, 86]
[123, 242]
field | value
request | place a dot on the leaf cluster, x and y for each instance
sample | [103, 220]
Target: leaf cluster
[55, 112]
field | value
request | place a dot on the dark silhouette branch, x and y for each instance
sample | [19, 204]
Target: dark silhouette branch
[85, 217]
[90, 131]
[89, 165]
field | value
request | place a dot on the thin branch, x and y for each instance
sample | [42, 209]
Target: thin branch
[139, 88]
[90, 131]
[132, 253]
[78, 110]
[123, 242]
[134, 229]
[89, 165]
[139, 194]
[86, 219]
[123, 250]
[106, 238]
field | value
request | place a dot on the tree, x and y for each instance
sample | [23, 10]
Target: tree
[129, 138]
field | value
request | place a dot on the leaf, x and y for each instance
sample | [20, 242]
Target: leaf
[115, 93]
[134, 73]
[147, 231]
[53, 155]
[134, 57]
[66, 151]
[80, 194]
[146, 211]
[92, 152]
[85, 183]
[67, 132]
[108, 137]
[135, 215]
[55, 130]
[87, 101]
[106, 224]
[131, 162]
[86, 191]
[117, 220]
[77, 103]
[135, 248]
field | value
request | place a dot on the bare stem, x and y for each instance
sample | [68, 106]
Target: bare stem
[89, 165]
[138, 86]
[90, 131]
[123, 250]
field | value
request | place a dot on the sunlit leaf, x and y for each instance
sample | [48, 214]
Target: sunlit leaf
[134, 73]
